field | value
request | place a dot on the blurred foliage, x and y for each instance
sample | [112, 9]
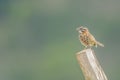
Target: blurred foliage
[38, 38]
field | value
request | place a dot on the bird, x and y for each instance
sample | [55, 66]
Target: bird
[86, 38]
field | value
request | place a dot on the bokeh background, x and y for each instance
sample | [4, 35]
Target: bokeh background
[38, 38]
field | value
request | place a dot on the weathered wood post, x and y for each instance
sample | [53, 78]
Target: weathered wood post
[90, 66]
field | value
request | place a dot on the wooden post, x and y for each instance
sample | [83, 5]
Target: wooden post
[90, 65]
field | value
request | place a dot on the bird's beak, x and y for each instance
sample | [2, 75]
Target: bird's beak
[78, 29]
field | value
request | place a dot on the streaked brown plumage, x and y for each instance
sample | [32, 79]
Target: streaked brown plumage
[86, 38]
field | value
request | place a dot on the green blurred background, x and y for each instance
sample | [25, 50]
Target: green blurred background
[38, 38]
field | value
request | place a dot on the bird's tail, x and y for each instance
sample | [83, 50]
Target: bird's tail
[100, 44]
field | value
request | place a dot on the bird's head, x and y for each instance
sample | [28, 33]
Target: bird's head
[82, 29]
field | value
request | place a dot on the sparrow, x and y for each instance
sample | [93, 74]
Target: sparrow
[86, 38]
